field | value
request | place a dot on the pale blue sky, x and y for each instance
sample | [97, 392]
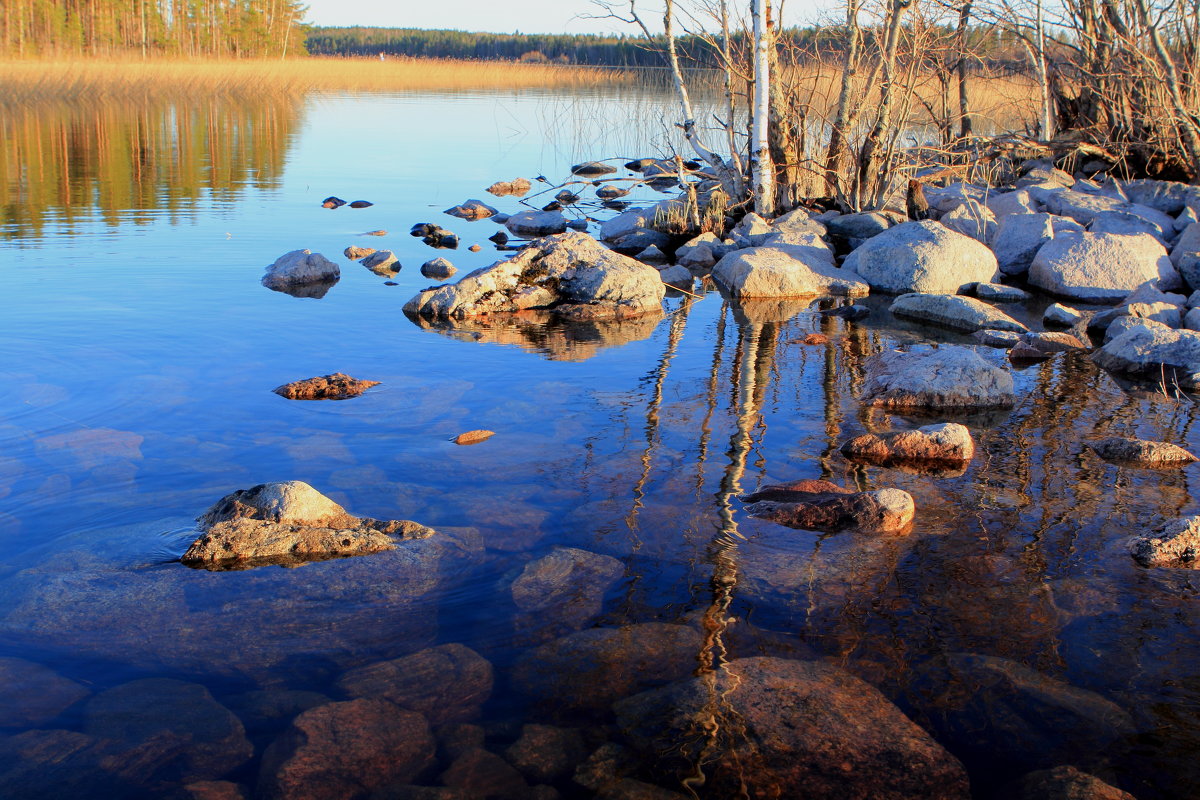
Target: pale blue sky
[527, 16]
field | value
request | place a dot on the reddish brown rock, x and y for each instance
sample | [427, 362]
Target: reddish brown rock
[824, 506]
[1044, 344]
[1176, 544]
[1067, 783]
[545, 753]
[815, 338]
[337, 386]
[447, 683]
[480, 773]
[948, 444]
[346, 750]
[214, 790]
[770, 727]
[1142, 452]
[473, 437]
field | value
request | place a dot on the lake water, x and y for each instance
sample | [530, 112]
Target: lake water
[138, 352]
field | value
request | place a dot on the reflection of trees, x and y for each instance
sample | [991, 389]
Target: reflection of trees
[68, 164]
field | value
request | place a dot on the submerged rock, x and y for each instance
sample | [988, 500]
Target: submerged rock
[946, 444]
[823, 506]
[924, 257]
[1066, 783]
[786, 271]
[954, 311]
[564, 590]
[207, 740]
[1176, 544]
[571, 274]
[288, 524]
[32, 695]
[477, 772]
[299, 268]
[545, 753]
[336, 386]
[344, 750]
[770, 727]
[949, 378]
[586, 671]
[445, 684]
[1142, 452]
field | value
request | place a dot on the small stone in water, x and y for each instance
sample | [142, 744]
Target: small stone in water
[499, 237]
[332, 202]
[361, 204]
[380, 232]
[390, 283]
[474, 248]
[337, 386]
[356, 253]
[471, 437]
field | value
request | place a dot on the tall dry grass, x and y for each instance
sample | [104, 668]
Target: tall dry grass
[36, 80]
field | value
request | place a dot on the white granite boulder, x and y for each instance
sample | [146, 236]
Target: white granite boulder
[922, 257]
[786, 271]
[1101, 267]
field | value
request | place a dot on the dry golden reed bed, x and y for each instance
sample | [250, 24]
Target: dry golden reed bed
[35, 80]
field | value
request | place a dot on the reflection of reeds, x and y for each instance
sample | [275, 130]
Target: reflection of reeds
[38, 80]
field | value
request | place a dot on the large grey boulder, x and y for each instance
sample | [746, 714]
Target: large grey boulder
[570, 274]
[1155, 352]
[1101, 267]
[287, 524]
[300, 268]
[1058, 314]
[810, 730]
[528, 224]
[1016, 202]
[1167, 197]
[1185, 255]
[954, 311]
[859, 226]
[950, 378]
[1081, 206]
[1127, 223]
[796, 270]
[1018, 239]
[973, 219]
[923, 257]
[625, 223]
[943, 200]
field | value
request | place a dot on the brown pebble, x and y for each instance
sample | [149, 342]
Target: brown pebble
[815, 338]
[471, 437]
[474, 248]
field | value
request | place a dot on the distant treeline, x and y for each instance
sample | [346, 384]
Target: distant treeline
[239, 28]
[593, 49]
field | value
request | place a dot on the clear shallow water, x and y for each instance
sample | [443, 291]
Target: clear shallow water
[138, 352]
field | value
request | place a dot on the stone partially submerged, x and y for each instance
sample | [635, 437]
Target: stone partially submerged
[337, 386]
[950, 378]
[923, 257]
[1142, 452]
[954, 311]
[288, 524]
[1176, 544]
[299, 269]
[947, 444]
[823, 506]
[1155, 352]
[786, 271]
[570, 274]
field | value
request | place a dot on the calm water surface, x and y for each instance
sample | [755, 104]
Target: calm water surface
[138, 351]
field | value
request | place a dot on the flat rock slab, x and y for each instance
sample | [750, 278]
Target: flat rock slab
[922, 257]
[803, 729]
[794, 270]
[1176, 544]
[571, 274]
[31, 695]
[950, 378]
[947, 444]
[288, 524]
[823, 506]
[954, 311]
[337, 386]
[1142, 452]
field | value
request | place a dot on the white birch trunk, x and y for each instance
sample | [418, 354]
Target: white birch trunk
[761, 170]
